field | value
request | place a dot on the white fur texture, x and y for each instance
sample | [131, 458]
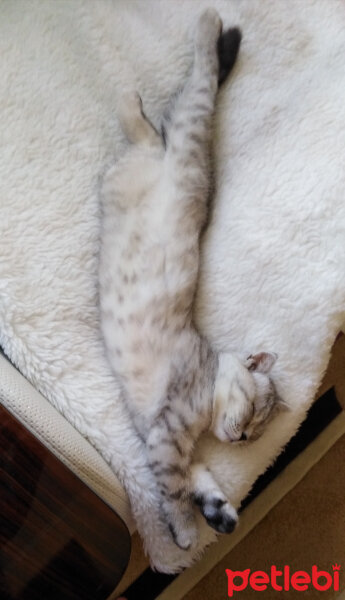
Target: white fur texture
[273, 272]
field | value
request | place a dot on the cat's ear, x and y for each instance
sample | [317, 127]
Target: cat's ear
[261, 362]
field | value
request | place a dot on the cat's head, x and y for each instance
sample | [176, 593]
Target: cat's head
[245, 397]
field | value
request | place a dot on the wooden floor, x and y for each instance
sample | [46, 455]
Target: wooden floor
[58, 540]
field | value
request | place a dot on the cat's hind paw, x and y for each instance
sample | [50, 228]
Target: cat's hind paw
[208, 30]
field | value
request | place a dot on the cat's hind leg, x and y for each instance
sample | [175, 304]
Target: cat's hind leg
[213, 505]
[134, 123]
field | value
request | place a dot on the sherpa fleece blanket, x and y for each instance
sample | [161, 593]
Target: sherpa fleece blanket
[273, 264]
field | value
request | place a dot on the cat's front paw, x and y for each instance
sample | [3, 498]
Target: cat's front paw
[182, 526]
[218, 512]
[185, 538]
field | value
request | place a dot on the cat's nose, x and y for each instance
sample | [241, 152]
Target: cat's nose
[243, 437]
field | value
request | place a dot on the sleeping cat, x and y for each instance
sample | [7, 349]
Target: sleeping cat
[154, 204]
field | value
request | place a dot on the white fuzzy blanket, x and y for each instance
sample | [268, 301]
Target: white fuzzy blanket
[273, 271]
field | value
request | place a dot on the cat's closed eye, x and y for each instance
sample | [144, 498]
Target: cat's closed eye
[246, 397]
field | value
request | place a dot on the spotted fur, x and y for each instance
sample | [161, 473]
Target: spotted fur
[154, 203]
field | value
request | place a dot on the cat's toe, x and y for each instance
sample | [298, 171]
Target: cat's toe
[180, 518]
[185, 538]
[222, 523]
[219, 514]
[210, 19]
[209, 26]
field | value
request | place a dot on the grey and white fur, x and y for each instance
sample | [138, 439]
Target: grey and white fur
[154, 207]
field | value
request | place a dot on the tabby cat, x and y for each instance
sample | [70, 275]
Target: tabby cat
[154, 205]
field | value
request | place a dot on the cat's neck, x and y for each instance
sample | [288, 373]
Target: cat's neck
[206, 375]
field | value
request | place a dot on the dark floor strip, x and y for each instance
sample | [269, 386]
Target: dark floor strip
[320, 415]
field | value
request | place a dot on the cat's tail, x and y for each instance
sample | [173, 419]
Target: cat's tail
[228, 46]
